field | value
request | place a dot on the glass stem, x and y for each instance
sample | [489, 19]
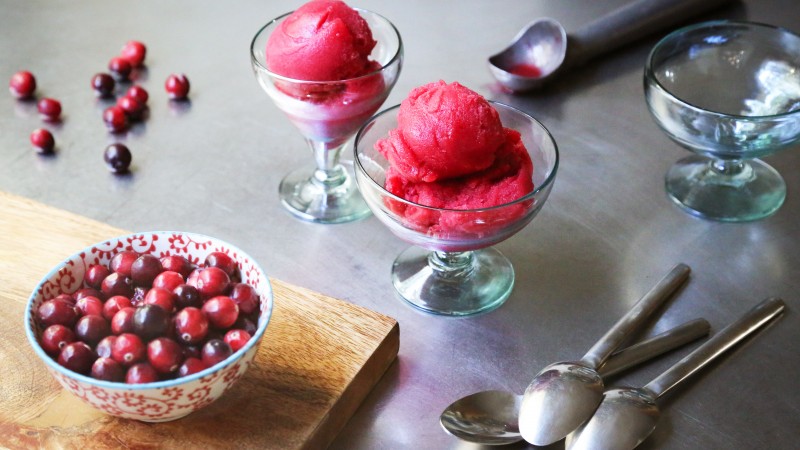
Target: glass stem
[451, 264]
[329, 172]
[728, 167]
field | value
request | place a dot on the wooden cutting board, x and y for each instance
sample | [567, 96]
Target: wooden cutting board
[318, 360]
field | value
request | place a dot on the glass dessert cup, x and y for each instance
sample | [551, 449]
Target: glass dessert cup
[730, 93]
[451, 268]
[327, 114]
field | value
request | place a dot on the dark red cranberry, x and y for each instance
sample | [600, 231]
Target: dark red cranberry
[221, 261]
[161, 297]
[122, 262]
[221, 311]
[141, 373]
[92, 328]
[49, 108]
[43, 141]
[128, 349]
[122, 322]
[103, 84]
[55, 337]
[22, 84]
[191, 366]
[177, 86]
[107, 369]
[59, 312]
[87, 292]
[95, 274]
[191, 351]
[236, 339]
[191, 325]
[134, 52]
[151, 321]
[246, 297]
[115, 119]
[133, 109]
[117, 284]
[90, 305]
[120, 67]
[69, 298]
[145, 269]
[215, 351]
[246, 324]
[115, 304]
[105, 346]
[139, 93]
[164, 354]
[168, 280]
[77, 357]
[212, 281]
[186, 295]
[118, 158]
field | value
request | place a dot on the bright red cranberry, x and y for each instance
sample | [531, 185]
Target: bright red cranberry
[118, 158]
[59, 312]
[43, 141]
[246, 297]
[117, 284]
[168, 280]
[95, 274]
[128, 349]
[141, 373]
[103, 84]
[115, 119]
[236, 339]
[120, 67]
[114, 304]
[191, 325]
[122, 262]
[139, 93]
[145, 269]
[92, 328]
[107, 369]
[190, 366]
[215, 351]
[122, 322]
[90, 305]
[105, 346]
[77, 357]
[194, 275]
[134, 52]
[221, 261]
[186, 295]
[22, 84]
[164, 354]
[221, 311]
[55, 337]
[87, 292]
[69, 298]
[151, 321]
[161, 297]
[49, 108]
[212, 281]
[177, 86]
[133, 109]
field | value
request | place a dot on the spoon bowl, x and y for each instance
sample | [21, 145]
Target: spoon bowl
[534, 54]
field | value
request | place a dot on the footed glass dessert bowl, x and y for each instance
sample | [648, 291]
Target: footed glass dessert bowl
[730, 93]
[327, 114]
[452, 268]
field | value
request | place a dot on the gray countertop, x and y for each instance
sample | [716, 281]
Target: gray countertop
[607, 233]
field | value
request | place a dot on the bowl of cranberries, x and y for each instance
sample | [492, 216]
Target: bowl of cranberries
[150, 326]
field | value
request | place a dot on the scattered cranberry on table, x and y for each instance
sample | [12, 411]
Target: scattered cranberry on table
[118, 158]
[120, 67]
[139, 93]
[177, 86]
[133, 109]
[50, 109]
[43, 141]
[103, 84]
[115, 119]
[22, 84]
[134, 52]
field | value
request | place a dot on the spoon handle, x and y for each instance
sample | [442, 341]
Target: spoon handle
[754, 319]
[630, 23]
[654, 346]
[634, 319]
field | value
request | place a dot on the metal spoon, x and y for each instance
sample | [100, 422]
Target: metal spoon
[628, 415]
[543, 47]
[492, 417]
[565, 394]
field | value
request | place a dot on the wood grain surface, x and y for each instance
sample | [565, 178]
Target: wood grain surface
[318, 360]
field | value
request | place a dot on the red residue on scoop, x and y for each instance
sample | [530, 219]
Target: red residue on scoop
[526, 70]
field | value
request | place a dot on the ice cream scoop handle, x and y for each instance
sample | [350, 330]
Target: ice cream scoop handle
[729, 336]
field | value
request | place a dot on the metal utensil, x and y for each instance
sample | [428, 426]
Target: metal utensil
[492, 417]
[543, 47]
[565, 394]
[628, 415]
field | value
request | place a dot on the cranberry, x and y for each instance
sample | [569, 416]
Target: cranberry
[95, 274]
[161, 297]
[105, 346]
[145, 269]
[90, 305]
[55, 337]
[92, 328]
[115, 118]
[22, 84]
[191, 280]
[164, 354]
[150, 321]
[244, 323]
[117, 284]
[103, 84]
[221, 311]
[236, 339]
[141, 373]
[43, 141]
[168, 280]
[77, 357]
[212, 281]
[215, 351]
[139, 93]
[117, 158]
[120, 67]
[191, 325]
[221, 261]
[133, 109]
[177, 86]
[191, 351]
[122, 262]
[191, 366]
[122, 322]
[134, 52]
[186, 295]
[128, 349]
[59, 312]
[245, 296]
[49, 108]
[115, 304]
[107, 369]
[69, 298]
[87, 292]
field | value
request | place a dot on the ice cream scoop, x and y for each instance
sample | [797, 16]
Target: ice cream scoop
[543, 48]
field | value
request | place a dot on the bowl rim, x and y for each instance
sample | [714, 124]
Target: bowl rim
[650, 75]
[546, 184]
[233, 358]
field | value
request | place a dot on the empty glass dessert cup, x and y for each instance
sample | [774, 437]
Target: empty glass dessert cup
[730, 93]
[451, 268]
[328, 113]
